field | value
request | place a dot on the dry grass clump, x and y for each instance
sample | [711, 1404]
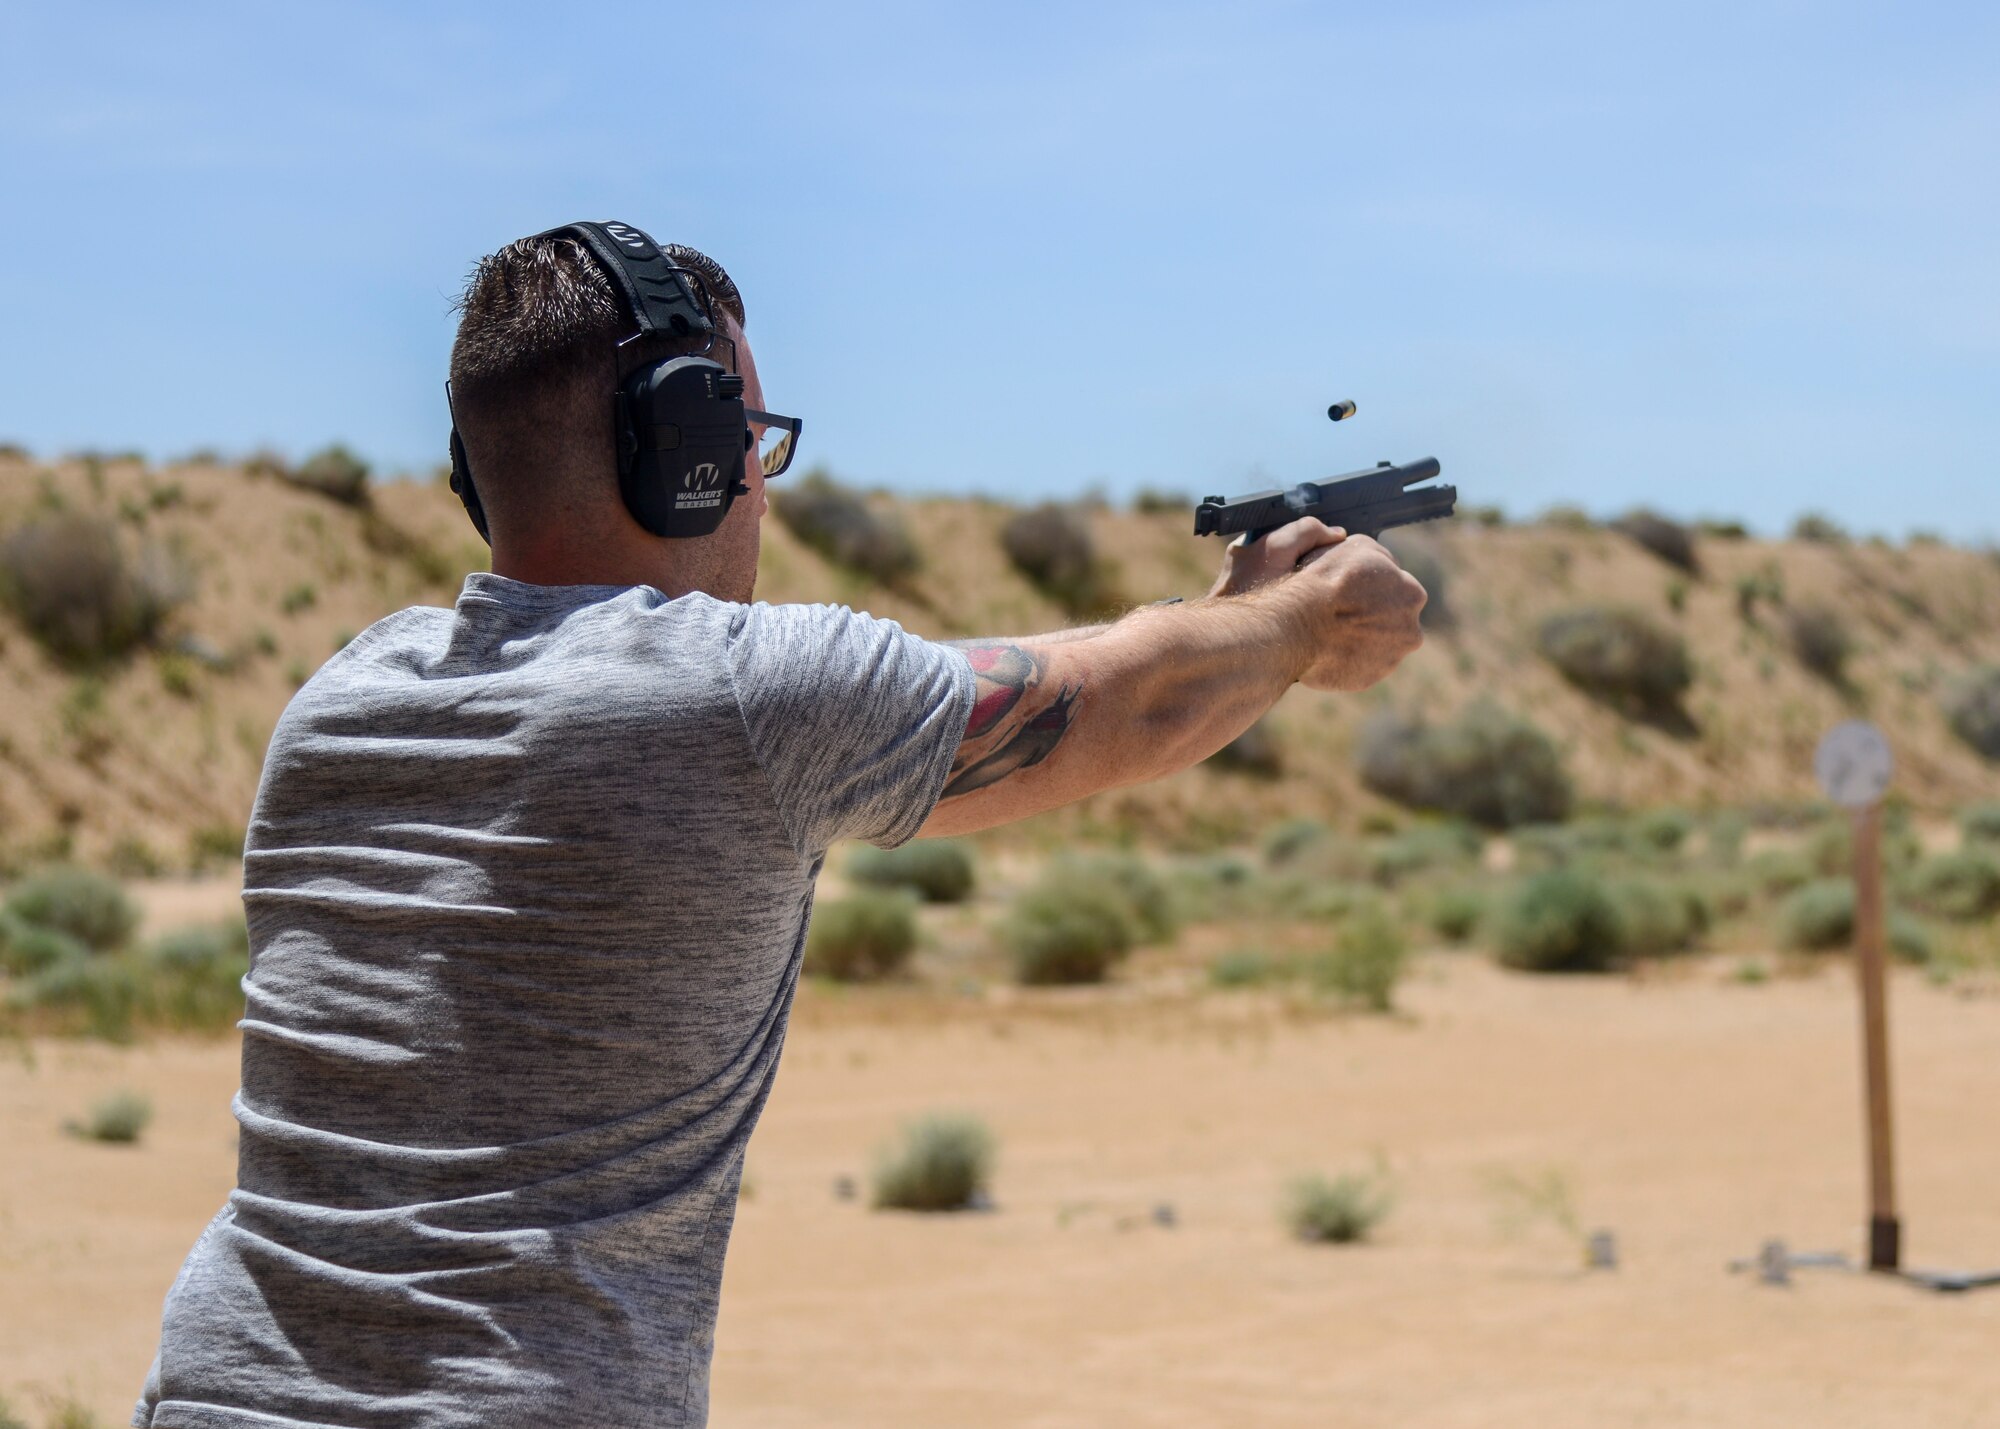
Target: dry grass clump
[1669, 540]
[1342, 1210]
[863, 937]
[943, 1164]
[1971, 707]
[936, 870]
[1619, 656]
[1488, 766]
[838, 522]
[1052, 546]
[69, 579]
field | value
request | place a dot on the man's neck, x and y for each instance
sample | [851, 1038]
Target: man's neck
[554, 559]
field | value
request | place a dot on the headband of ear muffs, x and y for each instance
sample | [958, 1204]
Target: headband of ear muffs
[679, 422]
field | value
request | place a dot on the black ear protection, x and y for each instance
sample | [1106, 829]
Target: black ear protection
[679, 422]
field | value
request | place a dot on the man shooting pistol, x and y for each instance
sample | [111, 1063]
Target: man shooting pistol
[528, 878]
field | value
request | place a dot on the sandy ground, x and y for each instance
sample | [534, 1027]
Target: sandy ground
[1692, 1116]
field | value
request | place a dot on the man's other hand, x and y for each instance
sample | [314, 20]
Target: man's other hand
[1246, 567]
[1362, 610]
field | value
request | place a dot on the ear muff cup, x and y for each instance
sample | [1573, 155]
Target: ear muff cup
[681, 437]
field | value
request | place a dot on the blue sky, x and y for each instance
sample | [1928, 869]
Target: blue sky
[1739, 259]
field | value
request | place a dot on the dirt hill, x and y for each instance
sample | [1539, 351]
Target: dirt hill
[151, 758]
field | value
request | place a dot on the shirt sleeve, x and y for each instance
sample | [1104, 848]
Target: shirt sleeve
[855, 721]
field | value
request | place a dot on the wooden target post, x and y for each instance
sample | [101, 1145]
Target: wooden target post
[1854, 765]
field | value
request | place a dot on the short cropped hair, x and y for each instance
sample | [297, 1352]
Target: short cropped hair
[535, 360]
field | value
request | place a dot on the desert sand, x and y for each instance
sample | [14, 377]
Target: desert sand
[1691, 1115]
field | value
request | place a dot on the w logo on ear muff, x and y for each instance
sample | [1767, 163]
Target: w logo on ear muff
[680, 426]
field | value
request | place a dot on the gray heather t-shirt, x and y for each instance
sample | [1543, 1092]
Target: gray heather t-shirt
[527, 883]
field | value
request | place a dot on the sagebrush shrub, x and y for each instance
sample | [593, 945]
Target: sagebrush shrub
[1971, 707]
[1052, 546]
[119, 1119]
[1560, 921]
[1830, 847]
[839, 523]
[1488, 766]
[1820, 917]
[1980, 824]
[1817, 916]
[88, 906]
[26, 949]
[334, 472]
[1454, 913]
[1422, 848]
[1366, 961]
[1663, 830]
[69, 580]
[936, 870]
[1218, 888]
[214, 844]
[870, 934]
[100, 996]
[1821, 641]
[1821, 530]
[1317, 899]
[1067, 930]
[942, 1164]
[197, 976]
[1669, 540]
[1287, 840]
[1654, 917]
[1780, 870]
[1340, 1211]
[1148, 897]
[1241, 967]
[1618, 655]
[1963, 886]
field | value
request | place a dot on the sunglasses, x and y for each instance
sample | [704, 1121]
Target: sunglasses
[777, 441]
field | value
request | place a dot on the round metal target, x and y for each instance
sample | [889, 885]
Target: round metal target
[1853, 764]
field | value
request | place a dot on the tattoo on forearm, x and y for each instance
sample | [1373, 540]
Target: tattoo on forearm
[1016, 723]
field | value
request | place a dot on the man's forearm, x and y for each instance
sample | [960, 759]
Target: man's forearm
[1165, 687]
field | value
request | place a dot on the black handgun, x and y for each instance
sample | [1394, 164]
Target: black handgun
[1362, 503]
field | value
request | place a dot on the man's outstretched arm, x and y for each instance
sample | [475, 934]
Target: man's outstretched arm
[1058, 718]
